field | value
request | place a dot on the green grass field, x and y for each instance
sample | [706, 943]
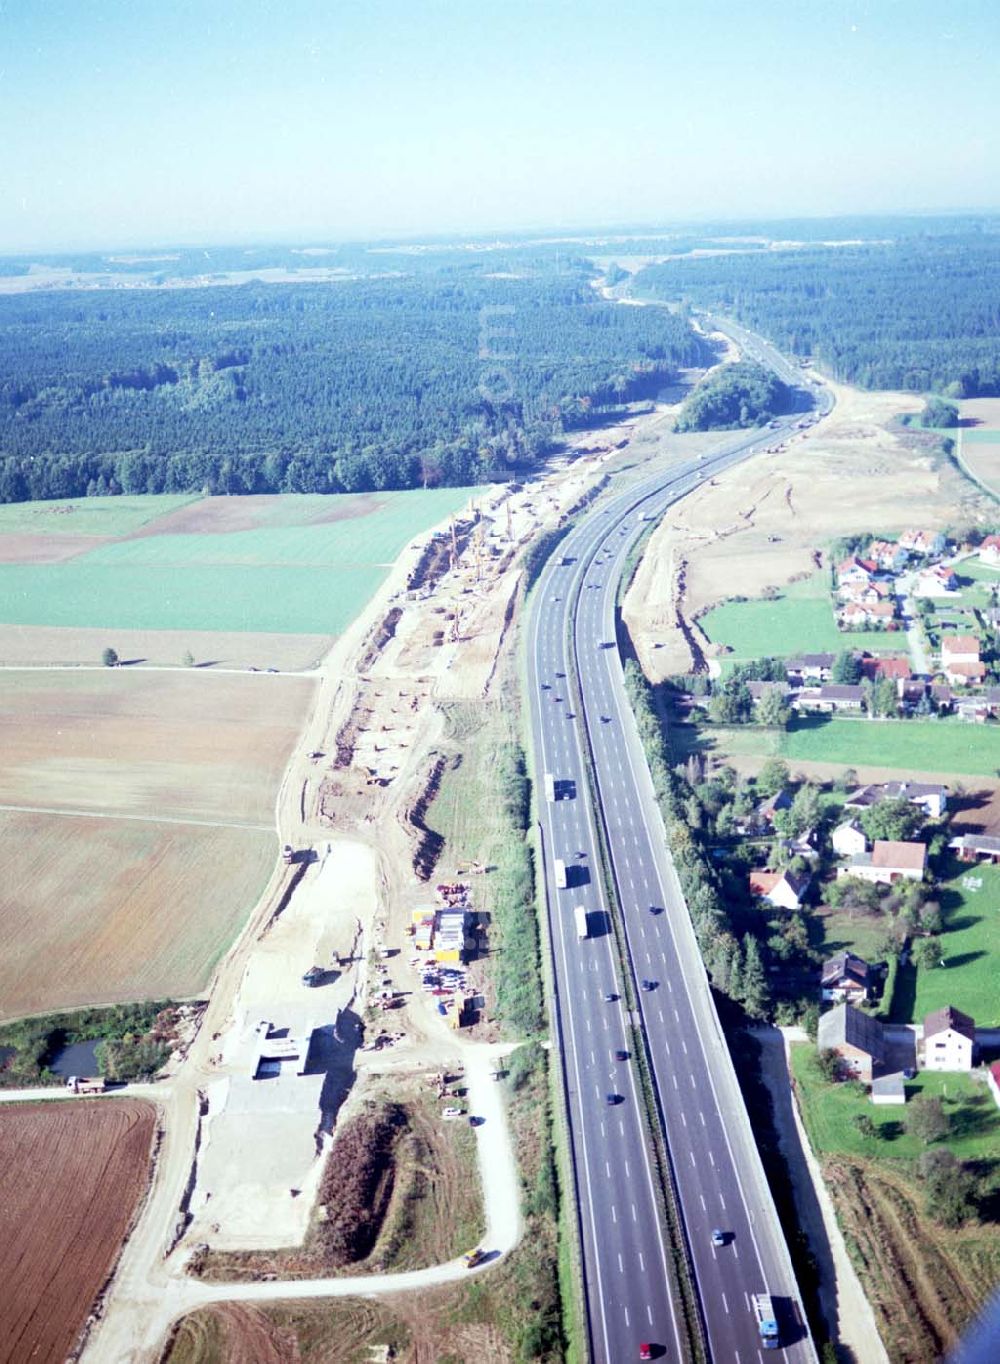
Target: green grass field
[971, 946]
[298, 579]
[799, 621]
[946, 746]
[88, 515]
[829, 1110]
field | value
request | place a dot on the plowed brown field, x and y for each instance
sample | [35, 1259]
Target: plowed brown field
[71, 1176]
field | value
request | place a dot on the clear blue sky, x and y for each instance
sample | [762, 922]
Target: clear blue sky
[131, 122]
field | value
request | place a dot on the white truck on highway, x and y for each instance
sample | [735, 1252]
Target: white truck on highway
[560, 870]
[550, 786]
[767, 1322]
[582, 929]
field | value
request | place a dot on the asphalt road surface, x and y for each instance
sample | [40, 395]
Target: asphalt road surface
[577, 704]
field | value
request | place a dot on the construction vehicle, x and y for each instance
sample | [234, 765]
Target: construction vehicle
[288, 854]
[314, 976]
[80, 1084]
[767, 1323]
[582, 928]
[474, 1257]
[560, 870]
[550, 786]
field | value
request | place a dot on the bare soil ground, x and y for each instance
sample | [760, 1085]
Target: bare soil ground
[51, 645]
[919, 1278]
[173, 745]
[25, 548]
[101, 911]
[765, 522]
[71, 1176]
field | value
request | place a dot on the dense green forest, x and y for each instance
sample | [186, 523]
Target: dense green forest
[732, 397]
[444, 376]
[919, 313]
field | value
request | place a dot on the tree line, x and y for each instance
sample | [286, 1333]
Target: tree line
[436, 378]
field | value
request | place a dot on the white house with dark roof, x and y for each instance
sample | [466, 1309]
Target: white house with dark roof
[949, 1040]
[846, 977]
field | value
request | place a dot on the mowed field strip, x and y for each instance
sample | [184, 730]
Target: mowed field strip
[283, 565]
[71, 1175]
[165, 785]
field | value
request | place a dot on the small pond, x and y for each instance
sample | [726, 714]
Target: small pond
[78, 1059]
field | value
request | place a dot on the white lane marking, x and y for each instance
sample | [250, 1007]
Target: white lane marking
[703, 1206]
[649, 1314]
[621, 1266]
[702, 1116]
[725, 1304]
[674, 1078]
[634, 1217]
[684, 1118]
[722, 1200]
[685, 1046]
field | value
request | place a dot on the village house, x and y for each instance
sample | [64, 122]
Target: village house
[949, 1040]
[989, 551]
[960, 661]
[783, 889]
[932, 797]
[809, 668]
[763, 815]
[855, 570]
[847, 977]
[855, 1037]
[911, 692]
[888, 555]
[830, 697]
[976, 848]
[938, 581]
[864, 594]
[927, 543]
[805, 844]
[848, 839]
[758, 690]
[896, 668]
[877, 614]
[888, 862]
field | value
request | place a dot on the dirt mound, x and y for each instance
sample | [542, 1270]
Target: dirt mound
[380, 638]
[352, 1203]
[428, 843]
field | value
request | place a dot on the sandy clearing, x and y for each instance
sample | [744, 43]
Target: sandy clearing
[223, 515]
[761, 524]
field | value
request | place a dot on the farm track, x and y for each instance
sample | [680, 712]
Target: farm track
[141, 819]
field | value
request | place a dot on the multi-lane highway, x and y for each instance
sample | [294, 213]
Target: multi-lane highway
[579, 713]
